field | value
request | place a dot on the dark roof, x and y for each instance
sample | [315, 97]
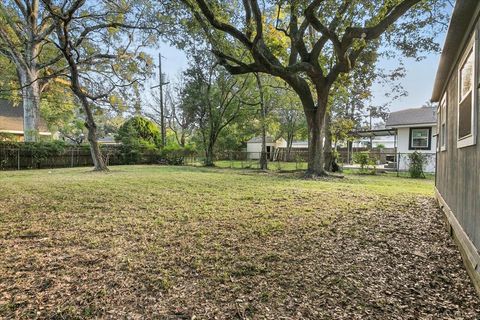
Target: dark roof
[11, 117]
[259, 140]
[421, 115]
[464, 15]
[375, 133]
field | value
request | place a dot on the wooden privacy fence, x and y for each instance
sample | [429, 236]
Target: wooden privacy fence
[19, 158]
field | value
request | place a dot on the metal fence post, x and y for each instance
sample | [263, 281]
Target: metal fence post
[398, 164]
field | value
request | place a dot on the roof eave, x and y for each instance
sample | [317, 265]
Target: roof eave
[460, 24]
[406, 125]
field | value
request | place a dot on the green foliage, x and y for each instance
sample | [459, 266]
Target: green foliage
[367, 164]
[140, 129]
[138, 136]
[174, 154]
[39, 151]
[7, 136]
[340, 129]
[417, 163]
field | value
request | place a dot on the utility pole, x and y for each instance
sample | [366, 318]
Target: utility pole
[162, 115]
[162, 109]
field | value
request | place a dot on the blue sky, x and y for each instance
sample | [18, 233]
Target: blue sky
[418, 82]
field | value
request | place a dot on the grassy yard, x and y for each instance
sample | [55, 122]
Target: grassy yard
[196, 243]
[255, 164]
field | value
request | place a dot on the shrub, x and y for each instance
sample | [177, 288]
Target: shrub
[417, 163]
[141, 129]
[174, 154]
[364, 160]
[40, 152]
[139, 137]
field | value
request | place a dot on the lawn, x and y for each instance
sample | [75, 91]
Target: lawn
[195, 243]
[255, 164]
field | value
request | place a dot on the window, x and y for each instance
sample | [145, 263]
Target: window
[443, 124]
[466, 101]
[420, 138]
[439, 126]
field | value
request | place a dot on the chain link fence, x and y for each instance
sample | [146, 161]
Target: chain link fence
[20, 158]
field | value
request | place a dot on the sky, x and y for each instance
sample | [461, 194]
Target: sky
[418, 83]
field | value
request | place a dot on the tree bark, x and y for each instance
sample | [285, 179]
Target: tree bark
[315, 120]
[263, 154]
[315, 116]
[289, 146]
[209, 154]
[328, 144]
[97, 157]
[30, 104]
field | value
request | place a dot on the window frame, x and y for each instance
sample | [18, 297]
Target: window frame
[429, 141]
[443, 129]
[470, 139]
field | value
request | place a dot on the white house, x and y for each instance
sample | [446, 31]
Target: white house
[299, 144]
[416, 131]
[254, 147]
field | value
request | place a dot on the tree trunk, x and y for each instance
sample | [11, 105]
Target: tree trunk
[182, 139]
[263, 154]
[97, 157]
[289, 146]
[349, 151]
[209, 154]
[328, 144]
[30, 104]
[315, 122]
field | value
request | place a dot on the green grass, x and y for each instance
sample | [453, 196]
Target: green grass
[181, 241]
[255, 164]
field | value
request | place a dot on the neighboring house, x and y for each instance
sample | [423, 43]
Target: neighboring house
[416, 130]
[254, 147]
[108, 139]
[458, 152]
[299, 144]
[11, 121]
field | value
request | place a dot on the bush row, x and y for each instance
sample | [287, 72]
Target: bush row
[127, 154]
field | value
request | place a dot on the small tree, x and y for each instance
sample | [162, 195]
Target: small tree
[417, 163]
[214, 96]
[138, 135]
[364, 160]
[100, 45]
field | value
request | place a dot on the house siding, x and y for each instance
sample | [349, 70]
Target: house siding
[458, 173]
[403, 148]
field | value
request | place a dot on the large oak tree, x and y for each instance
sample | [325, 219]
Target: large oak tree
[326, 38]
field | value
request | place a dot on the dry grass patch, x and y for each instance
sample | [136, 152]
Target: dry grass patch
[169, 243]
